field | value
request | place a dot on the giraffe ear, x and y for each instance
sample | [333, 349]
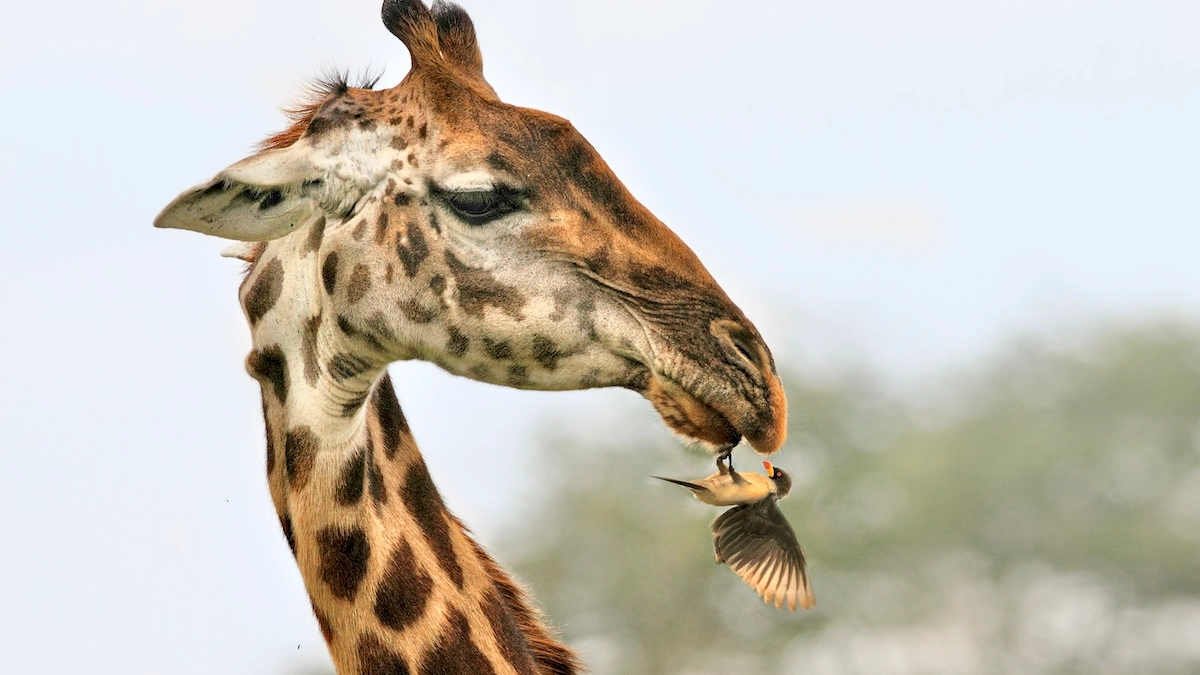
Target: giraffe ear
[456, 37]
[265, 196]
[411, 21]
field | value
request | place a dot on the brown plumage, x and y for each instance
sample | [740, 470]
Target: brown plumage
[754, 539]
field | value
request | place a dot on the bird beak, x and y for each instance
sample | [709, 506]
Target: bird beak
[770, 469]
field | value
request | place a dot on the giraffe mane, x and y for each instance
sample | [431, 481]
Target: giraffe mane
[551, 656]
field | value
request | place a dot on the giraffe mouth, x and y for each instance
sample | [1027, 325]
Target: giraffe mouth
[720, 422]
[690, 417]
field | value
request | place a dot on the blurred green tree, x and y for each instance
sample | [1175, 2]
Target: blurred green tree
[1040, 514]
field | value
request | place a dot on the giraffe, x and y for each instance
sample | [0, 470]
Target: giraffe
[432, 221]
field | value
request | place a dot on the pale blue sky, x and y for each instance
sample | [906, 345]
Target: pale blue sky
[905, 182]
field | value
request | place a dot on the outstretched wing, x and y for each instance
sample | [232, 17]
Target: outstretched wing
[758, 544]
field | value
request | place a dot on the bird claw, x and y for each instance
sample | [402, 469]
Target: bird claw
[725, 456]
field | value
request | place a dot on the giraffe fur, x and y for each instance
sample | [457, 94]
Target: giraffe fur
[432, 221]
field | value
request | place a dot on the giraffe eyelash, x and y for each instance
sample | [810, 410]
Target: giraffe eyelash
[478, 207]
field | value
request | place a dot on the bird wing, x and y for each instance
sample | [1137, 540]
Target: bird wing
[758, 544]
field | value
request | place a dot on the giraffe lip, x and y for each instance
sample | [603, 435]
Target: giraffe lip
[689, 416]
[719, 422]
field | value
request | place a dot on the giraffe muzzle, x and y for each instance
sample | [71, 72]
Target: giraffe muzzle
[723, 403]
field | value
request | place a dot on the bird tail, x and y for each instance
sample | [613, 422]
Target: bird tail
[691, 486]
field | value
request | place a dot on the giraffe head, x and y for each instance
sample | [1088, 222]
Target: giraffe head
[433, 221]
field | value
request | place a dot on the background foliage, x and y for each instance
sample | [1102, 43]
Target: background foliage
[1039, 513]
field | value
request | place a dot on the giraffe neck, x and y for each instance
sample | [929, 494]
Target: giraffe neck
[396, 582]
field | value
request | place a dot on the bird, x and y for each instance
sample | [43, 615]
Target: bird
[753, 538]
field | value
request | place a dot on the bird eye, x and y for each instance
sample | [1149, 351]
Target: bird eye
[479, 207]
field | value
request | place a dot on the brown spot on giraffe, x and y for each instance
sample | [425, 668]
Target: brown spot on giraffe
[360, 229]
[315, 235]
[270, 367]
[376, 483]
[299, 454]
[329, 271]
[457, 344]
[518, 375]
[381, 228]
[377, 659]
[344, 558]
[308, 350]
[425, 503]
[378, 326]
[359, 284]
[350, 489]
[499, 350]
[416, 313]
[411, 249]
[391, 418]
[476, 289]
[265, 291]
[545, 352]
[455, 653]
[403, 591]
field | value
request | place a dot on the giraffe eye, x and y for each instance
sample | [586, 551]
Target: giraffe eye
[479, 207]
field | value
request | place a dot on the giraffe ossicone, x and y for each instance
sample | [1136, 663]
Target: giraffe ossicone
[432, 221]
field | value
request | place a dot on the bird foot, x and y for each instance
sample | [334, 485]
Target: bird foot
[725, 456]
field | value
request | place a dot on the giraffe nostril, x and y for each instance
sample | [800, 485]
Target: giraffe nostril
[743, 346]
[741, 341]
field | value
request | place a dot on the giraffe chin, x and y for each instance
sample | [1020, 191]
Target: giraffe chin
[690, 417]
[709, 426]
